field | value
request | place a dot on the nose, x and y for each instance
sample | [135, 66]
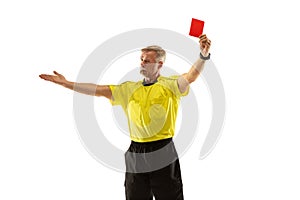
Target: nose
[142, 63]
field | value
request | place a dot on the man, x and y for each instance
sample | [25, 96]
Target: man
[151, 108]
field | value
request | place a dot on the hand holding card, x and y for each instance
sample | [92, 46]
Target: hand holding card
[196, 30]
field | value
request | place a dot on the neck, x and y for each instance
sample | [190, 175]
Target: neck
[151, 79]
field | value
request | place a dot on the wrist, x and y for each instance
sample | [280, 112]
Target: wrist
[204, 57]
[67, 84]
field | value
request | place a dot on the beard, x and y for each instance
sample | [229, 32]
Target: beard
[143, 72]
[149, 72]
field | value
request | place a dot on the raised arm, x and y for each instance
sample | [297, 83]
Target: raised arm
[187, 78]
[84, 88]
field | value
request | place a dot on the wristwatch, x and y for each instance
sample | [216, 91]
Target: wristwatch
[204, 58]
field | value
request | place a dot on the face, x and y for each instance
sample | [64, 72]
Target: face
[149, 66]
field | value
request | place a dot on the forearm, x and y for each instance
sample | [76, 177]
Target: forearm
[88, 88]
[84, 88]
[198, 66]
[195, 71]
[187, 78]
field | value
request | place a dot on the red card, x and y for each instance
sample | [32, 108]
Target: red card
[196, 27]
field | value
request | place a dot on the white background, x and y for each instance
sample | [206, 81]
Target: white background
[255, 48]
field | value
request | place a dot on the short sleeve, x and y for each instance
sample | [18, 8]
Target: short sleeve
[119, 94]
[114, 90]
[123, 92]
[174, 87]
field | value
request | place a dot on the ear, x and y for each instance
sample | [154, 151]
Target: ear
[160, 64]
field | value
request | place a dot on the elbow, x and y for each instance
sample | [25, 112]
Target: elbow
[192, 77]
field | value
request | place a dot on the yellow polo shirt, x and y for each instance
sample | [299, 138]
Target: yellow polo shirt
[151, 110]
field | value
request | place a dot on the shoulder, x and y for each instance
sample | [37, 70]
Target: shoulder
[171, 83]
[168, 78]
[126, 86]
[128, 83]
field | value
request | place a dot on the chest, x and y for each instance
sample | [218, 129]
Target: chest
[149, 95]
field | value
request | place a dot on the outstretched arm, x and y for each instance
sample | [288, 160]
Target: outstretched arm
[85, 88]
[187, 78]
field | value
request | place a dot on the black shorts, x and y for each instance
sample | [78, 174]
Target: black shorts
[151, 174]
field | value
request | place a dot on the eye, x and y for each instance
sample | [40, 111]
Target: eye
[145, 61]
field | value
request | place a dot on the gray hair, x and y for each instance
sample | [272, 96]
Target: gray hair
[160, 52]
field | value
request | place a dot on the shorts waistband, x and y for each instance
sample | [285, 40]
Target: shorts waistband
[143, 147]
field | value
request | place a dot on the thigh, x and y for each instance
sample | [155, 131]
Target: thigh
[166, 183]
[137, 186]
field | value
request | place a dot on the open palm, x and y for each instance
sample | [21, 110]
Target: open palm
[57, 78]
